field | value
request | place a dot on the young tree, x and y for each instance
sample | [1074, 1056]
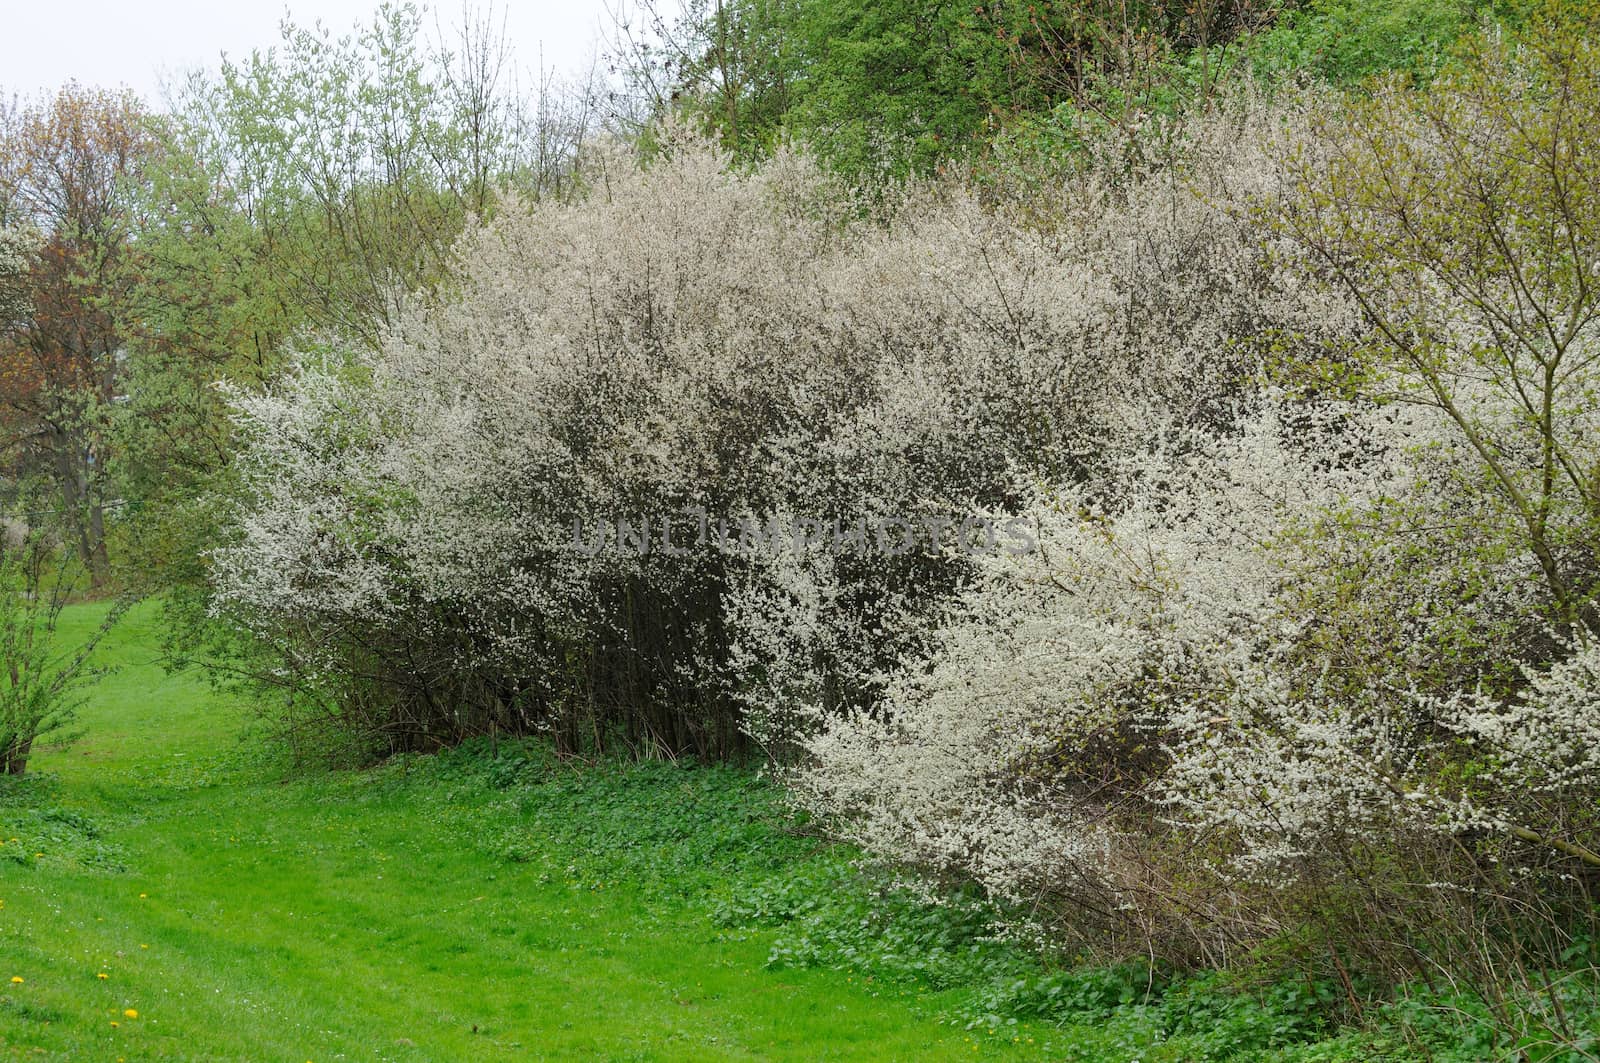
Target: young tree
[1465, 221]
[334, 173]
[41, 679]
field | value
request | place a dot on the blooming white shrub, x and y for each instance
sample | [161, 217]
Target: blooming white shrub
[1233, 647]
[754, 345]
[1285, 639]
[1076, 690]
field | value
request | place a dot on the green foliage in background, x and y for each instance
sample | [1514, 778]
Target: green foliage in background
[1345, 41]
[888, 89]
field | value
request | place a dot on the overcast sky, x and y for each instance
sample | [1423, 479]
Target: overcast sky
[111, 43]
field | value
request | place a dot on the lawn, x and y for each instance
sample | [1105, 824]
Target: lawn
[169, 892]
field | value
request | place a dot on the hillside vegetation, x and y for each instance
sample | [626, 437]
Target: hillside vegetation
[1082, 519]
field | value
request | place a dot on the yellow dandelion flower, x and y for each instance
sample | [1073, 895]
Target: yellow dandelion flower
[131, 1014]
[115, 1024]
[142, 896]
[102, 976]
[16, 980]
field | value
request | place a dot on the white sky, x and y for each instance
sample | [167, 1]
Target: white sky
[112, 43]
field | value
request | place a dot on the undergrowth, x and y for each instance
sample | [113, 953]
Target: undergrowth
[723, 838]
[34, 828]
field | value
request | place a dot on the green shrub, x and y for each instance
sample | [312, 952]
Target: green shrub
[1344, 41]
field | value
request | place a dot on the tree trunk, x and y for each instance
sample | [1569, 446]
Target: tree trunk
[84, 511]
[14, 761]
[99, 561]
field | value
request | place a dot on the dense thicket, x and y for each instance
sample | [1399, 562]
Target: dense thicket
[1329, 663]
[689, 339]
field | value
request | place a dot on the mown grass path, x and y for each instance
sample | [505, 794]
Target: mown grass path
[164, 895]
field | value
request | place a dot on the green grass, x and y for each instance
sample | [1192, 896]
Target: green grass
[422, 911]
[491, 903]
